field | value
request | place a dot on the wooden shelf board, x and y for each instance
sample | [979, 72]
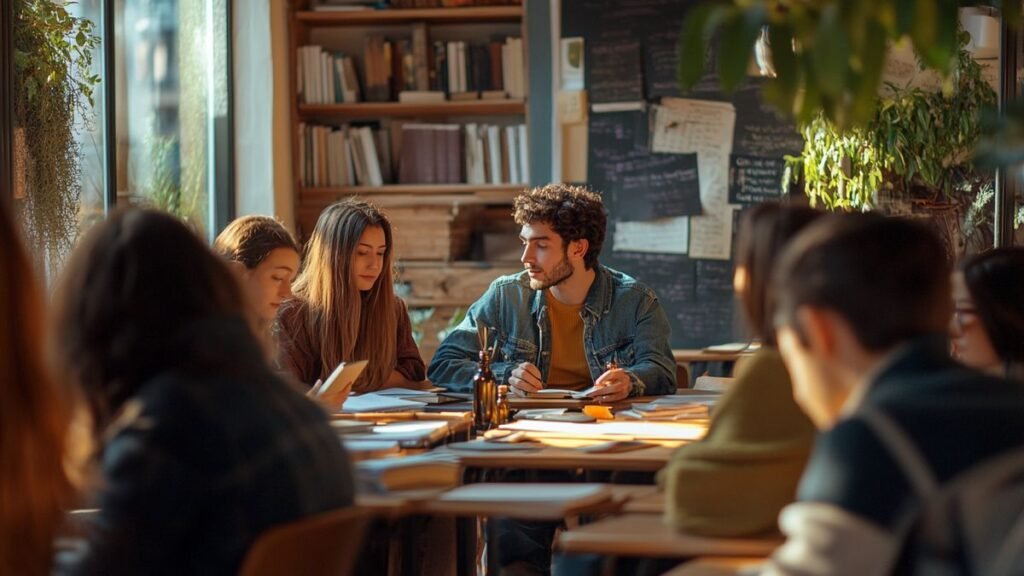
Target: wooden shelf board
[465, 15]
[408, 109]
[418, 194]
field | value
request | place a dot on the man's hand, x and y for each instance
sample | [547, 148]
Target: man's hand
[612, 386]
[525, 378]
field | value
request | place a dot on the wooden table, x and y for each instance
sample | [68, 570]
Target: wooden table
[697, 355]
[728, 566]
[548, 458]
[646, 535]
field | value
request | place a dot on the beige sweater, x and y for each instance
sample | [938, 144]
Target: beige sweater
[735, 481]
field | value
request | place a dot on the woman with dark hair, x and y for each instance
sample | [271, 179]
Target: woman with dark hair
[268, 259]
[201, 446]
[345, 307]
[735, 481]
[987, 328]
[33, 418]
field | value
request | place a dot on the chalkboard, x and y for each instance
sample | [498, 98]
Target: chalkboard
[753, 179]
[639, 184]
[636, 42]
[680, 284]
[613, 70]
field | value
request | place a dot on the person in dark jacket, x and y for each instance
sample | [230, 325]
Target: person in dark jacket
[863, 303]
[201, 446]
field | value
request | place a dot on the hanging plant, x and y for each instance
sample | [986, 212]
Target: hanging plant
[52, 81]
[916, 149]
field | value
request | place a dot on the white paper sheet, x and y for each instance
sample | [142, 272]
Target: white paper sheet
[685, 126]
[664, 236]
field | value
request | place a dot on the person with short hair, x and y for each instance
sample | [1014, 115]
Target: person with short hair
[735, 480]
[987, 327]
[267, 257]
[345, 307]
[201, 446]
[34, 417]
[566, 321]
[863, 304]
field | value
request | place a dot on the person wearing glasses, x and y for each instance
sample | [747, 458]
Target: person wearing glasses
[987, 327]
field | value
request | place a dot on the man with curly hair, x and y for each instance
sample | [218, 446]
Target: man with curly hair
[566, 321]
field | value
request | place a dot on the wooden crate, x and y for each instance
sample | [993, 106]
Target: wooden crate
[432, 232]
[451, 284]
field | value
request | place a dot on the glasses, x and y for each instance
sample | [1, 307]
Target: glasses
[964, 316]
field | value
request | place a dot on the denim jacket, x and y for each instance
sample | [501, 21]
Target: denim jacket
[622, 321]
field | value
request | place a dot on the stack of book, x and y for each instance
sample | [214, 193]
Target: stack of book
[326, 77]
[344, 156]
[471, 153]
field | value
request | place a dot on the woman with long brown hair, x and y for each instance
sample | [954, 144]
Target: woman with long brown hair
[33, 418]
[345, 307]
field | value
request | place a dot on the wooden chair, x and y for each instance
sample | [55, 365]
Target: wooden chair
[682, 375]
[322, 545]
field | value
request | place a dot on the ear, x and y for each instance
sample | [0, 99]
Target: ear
[238, 269]
[579, 248]
[819, 330]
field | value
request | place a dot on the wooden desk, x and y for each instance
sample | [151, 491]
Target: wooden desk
[729, 566]
[646, 460]
[687, 355]
[646, 535]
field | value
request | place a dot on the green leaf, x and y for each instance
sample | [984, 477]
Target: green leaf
[831, 52]
[696, 31]
[786, 81]
[742, 29]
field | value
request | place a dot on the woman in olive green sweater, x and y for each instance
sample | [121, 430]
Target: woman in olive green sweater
[735, 481]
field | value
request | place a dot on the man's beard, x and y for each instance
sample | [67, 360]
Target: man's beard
[560, 273]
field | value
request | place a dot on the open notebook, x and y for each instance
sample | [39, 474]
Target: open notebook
[558, 393]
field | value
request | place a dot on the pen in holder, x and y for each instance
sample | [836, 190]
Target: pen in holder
[485, 388]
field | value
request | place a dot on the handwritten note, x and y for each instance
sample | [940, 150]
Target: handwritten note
[706, 128]
[753, 180]
[662, 236]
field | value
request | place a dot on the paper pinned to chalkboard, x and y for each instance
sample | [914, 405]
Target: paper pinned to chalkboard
[661, 236]
[753, 180]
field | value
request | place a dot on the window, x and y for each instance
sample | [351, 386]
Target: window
[145, 120]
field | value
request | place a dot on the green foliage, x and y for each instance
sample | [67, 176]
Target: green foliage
[827, 54]
[162, 188]
[917, 143]
[52, 63]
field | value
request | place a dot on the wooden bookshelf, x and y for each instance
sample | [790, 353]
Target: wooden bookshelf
[458, 15]
[369, 110]
[445, 282]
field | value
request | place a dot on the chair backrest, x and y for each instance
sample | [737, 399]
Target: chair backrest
[682, 375]
[712, 383]
[324, 545]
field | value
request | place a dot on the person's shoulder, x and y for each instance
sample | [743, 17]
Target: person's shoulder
[516, 281]
[851, 468]
[291, 311]
[625, 284]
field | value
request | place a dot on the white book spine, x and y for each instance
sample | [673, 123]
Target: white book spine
[494, 149]
[513, 153]
[524, 156]
[462, 67]
[370, 151]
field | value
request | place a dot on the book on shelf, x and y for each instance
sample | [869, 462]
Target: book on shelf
[325, 77]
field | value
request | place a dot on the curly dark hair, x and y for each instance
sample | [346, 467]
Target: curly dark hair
[573, 212]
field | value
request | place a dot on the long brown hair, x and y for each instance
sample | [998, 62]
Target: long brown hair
[130, 290]
[995, 280]
[33, 418]
[347, 324]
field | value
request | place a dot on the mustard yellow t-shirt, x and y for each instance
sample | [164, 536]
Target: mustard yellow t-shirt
[569, 368]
